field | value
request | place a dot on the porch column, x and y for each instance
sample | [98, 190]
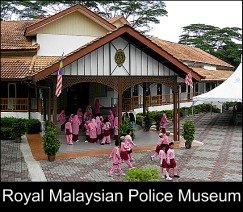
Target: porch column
[29, 102]
[49, 104]
[175, 113]
[144, 98]
[119, 102]
[178, 115]
[54, 102]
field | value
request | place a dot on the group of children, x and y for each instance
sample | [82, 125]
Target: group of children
[165, 150]
[96, 128]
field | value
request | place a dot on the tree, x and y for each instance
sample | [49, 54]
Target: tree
[140, 14]
[223, 43]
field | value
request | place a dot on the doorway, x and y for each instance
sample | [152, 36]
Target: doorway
[77, 97]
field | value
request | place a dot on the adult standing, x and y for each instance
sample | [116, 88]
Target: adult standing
[97, 107]
[164, 122]
[62, 119]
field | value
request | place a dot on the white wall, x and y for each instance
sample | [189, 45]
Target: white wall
[55, 45]
[25, 115]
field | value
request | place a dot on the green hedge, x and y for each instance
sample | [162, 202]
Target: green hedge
[10, 127]
[143, 174]
[6, 133]
[33, 126]
[156, 115]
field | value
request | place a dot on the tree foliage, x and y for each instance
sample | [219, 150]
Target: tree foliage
[140, 14]
[225, 43]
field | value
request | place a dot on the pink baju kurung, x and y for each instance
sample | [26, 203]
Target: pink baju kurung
[92, 126]
[116, 161]
[164, 122]
[116, 130]
[62, 119]
[68, 132]
[75, 126]
[98, 129]
[107, 133]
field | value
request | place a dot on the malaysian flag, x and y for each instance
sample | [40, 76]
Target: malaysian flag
[59, 79]
[188, 79]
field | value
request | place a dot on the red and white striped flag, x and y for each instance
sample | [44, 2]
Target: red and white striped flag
[188, 79]
[59, 79]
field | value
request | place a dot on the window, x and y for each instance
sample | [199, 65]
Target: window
[135, 90]
[208, 87]
[11, 90]
[183, 88]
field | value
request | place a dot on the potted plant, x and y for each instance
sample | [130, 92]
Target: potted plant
[188, 133]
[51, 143]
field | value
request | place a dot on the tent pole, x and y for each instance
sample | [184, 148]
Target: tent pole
[211, 109]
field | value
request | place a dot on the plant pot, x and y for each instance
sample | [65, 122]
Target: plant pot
[51, 158]
[188, 145]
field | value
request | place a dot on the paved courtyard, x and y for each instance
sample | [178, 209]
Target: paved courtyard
[219, 159]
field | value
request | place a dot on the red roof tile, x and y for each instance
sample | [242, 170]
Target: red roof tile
[12, 35]
[219, 75]
[188, 53]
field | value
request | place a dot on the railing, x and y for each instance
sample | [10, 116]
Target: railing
[137, 101]
[19, 104]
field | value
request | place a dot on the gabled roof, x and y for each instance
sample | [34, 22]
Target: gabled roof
[124, 30]
[120, 18]
[77, 7]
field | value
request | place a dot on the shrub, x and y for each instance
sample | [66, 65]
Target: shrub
[51, 143]
[147, 121]
[33, 126]
[143, 174]
[6, 133]
[139, 119]
[125, 125]
[188, 132]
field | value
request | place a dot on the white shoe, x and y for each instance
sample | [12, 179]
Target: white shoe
[168, 178]
[123, 174]
[86, 141]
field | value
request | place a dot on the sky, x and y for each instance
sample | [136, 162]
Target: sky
[183, 13]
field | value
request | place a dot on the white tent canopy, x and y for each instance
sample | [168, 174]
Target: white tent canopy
[229, 91]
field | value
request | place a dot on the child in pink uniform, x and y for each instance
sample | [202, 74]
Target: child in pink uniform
[166, 138]
[92, 127]
[171, 159]
[75, 125]
[68, 132]
[116, 128]
[107, 132]
[159, 142]
[129, 143]
[124, 152]
[163, 161]
[116, 160]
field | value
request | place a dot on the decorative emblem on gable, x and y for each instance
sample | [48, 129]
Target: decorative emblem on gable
[120, 57]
